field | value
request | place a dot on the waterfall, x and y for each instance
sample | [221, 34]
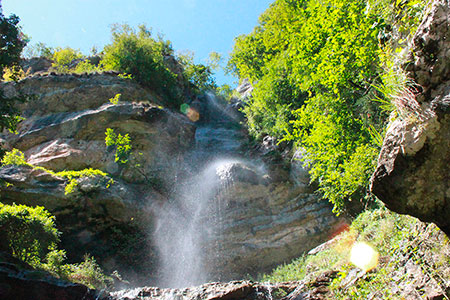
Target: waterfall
[191, 221]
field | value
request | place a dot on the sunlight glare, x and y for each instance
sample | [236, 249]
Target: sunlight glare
[364, 256]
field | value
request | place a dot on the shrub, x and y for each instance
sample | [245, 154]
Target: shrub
[198, 75]
[86, 67]
[139, 54]
[39, 50]
[27, 233]
[115, 100]
[89, 273]
[14, 157]
[121, 144]
[14, 73]
[30, 235]
[63, 57]
[72, 177]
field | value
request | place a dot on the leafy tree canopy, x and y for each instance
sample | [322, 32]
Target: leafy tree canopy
[12, 41]
[315, 65]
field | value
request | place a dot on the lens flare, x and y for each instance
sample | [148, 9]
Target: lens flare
[184, 108]
[364, 256]
[193, 115]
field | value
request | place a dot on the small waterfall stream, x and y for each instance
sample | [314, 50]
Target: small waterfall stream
[193, 218]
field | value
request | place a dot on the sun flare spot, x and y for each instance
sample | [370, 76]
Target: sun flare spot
[364, 256]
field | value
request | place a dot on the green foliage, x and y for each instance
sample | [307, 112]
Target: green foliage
[63, 57]
[397, 239]
[121, 144]
[14, 73]
[198, 75]
[73, 175]
[139, 54]
[225, 91]
[86, 67]
[12, 41]
[339, 151]
[28, 233]
[316, 67]
[214, 61]
[14, 157]
[90, 274]
[115, 100]
[39, 50]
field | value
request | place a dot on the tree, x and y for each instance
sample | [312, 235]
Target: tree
[12, 42]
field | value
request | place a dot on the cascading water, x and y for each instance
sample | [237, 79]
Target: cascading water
[193, 218]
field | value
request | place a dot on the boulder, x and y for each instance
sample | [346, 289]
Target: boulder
[234, 290]
[412, 176]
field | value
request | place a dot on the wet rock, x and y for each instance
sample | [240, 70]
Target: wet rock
[239, 172]
[245, 89]
[265, 225]
[412, 176]
[234, 290]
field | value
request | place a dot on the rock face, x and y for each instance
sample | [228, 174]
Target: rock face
[412, 176]
[66, 120]
[262, 215]
[269, 224]
[21, 281]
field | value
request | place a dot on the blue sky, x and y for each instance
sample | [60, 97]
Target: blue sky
[200, 26]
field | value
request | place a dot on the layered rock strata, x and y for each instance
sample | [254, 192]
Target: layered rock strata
[267, 218]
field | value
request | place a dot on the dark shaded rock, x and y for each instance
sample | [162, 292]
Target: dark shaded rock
[36, 64]
[111, 223]
[413, 175]
[20, 281]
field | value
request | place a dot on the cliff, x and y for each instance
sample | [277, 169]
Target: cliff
[265, 217]
[412, 176]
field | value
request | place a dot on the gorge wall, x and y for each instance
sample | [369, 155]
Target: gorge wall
[269, 219]
[412, 176]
